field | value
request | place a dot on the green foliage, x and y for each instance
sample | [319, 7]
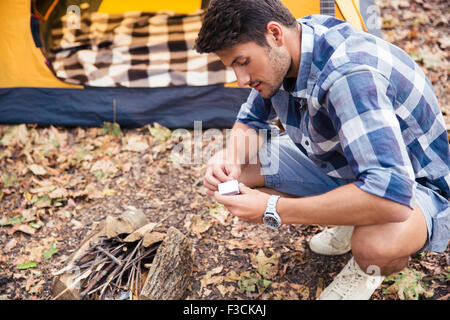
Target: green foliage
[99, 174]
[408, 285]
[159, 132]
[50, 252]
[251, 282]
[10, 221]
[111, 128]
[9, 179]
[27, 265]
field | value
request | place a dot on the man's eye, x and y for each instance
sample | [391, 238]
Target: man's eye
[243, 63]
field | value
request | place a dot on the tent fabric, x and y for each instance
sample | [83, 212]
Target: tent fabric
[173, 107]
[120, 6]
[134, 49]
[22, 64]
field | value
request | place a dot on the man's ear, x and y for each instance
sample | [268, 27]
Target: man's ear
[275, 33]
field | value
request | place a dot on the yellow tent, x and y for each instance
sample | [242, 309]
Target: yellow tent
[31, 93]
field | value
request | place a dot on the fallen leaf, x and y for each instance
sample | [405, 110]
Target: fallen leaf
[35, 251]
[126, 167]
[58, 193]
[57, 138]
[37, 288]
[408, 285]
[159, 132]
[36, 225]
[224, 290]
[106, 166]
[216, 270]
[17, 135]
[206, 292]
[219, 212]
[131, 220]
[431, 59]
[42, 202]
[76, 224]
[320, 286]
[199, 226]
[208, 279]
[266, 266]
[50, 252]
[29, 282]
[136, 144]
[10, 245]
[109, 192]
[139, 233]
[25, 229]
[152, 237]
[232, 276]
[300, 290]
[444, 42]
[92, 192]
[37, 170]
[241, 244]
[248, 283]
[27, 265]
[3, 222]
[28, 216]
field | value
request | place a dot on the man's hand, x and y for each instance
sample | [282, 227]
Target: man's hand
[248, 206]
[219, 170]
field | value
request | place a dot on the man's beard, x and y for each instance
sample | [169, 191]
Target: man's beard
[281, 64]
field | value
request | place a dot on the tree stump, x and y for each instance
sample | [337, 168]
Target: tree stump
[171, 269]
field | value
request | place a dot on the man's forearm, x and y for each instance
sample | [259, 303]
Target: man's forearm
[346, 205]
[243, 144]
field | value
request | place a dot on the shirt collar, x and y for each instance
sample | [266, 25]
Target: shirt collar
[307, 46]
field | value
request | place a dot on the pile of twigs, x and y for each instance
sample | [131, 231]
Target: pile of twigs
[112, 267]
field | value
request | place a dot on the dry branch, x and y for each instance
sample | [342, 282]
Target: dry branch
[113, 266]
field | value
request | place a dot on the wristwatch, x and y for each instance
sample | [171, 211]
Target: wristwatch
[271, 218]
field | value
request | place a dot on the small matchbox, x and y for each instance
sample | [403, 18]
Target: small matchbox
[229, 188]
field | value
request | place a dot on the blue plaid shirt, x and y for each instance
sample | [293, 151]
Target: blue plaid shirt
[361, 109]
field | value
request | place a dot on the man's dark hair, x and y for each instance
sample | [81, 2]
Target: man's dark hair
[230, 22]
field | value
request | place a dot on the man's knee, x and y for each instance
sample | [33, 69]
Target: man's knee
[251, 175]
[374, 251]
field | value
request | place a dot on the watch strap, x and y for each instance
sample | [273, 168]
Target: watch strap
[272, 203]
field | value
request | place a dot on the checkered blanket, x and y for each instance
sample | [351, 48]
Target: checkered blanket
[133, 49]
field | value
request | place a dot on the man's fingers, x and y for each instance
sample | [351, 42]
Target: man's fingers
[220, 174]
[210, 179]
[209, 187]
[234, 173]
[225, 200]
[243, 188]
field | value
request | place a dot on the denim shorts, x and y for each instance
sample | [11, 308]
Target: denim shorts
[287, 169]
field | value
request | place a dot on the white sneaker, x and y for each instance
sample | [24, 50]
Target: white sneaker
[332, 241]
[352, 284]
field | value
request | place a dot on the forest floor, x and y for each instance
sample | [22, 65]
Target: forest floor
[57, 184]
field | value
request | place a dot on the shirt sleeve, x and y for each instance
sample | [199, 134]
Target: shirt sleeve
[258, 113]
[361, 106]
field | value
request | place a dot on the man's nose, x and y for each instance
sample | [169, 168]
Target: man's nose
[243, 78]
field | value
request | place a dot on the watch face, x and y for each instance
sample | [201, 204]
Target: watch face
[271, 221]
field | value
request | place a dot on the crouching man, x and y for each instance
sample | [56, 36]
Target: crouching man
[365, 147]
